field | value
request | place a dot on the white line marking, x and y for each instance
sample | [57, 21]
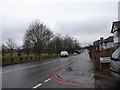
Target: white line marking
[37, 85]
[44, 63]
[21, 68]
[27, 67]
[30, 66]
[47, 80]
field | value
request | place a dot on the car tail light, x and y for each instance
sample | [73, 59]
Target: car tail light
[118, 59]
[118, 73]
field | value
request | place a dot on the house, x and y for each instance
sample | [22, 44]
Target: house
[101, 43]
[116, 33]
[108, 43]
[97, 45]
[104, 43]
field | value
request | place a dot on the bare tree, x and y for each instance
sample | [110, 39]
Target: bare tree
[64, 43]
[50, 47]
[4, 50]
[38, 35]
[57, 43]
[11, 45]
[27, 47]
[77, 45]
[70, 44]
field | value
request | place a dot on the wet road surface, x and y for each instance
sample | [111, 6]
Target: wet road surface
[36, 74]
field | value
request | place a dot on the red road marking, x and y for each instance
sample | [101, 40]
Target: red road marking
[52, 76]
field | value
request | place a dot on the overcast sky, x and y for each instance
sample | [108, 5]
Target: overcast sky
[86, 21]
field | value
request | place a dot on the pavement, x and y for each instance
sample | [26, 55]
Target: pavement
[105, 81]
[78, 73]
[72, 72]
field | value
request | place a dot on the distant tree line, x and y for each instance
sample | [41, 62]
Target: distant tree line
[40, 39]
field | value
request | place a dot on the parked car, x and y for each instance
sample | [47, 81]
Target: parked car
[64, 54]
[115, 64]
[74, 53]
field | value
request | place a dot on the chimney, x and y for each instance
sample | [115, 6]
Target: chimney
[101, 39]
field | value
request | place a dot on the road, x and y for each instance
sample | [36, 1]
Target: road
[72, 72]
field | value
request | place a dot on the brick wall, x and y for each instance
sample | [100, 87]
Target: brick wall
[95, 56]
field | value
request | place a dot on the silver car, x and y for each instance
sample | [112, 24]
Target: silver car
[115, 64]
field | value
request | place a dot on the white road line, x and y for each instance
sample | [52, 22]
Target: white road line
[92, 75]
[30, 66]
[47, 80]
[21, 68]
[37, 85]
[44, 63]
[26, 67]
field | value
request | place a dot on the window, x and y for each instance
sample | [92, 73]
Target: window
[116, 54]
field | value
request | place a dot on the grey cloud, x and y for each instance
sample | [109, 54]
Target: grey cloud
[90, 27]
[14, 30]
[86, 31]
[80, 20]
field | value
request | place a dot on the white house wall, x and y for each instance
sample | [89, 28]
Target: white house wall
[116, 37]
[110, 44]
[104, 45]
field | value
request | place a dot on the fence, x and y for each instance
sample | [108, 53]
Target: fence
[97, 54]
[24, 59]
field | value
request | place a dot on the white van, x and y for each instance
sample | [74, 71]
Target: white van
[64, 54]
[115, 64]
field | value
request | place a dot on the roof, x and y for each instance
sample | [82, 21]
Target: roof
[117, 24]
[96, 42]
[109, 39]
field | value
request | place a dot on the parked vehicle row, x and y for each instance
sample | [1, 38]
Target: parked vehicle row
[66, 54]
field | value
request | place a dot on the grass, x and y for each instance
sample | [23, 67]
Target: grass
[103, 72]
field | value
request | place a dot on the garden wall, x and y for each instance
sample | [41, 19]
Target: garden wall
[97, 54]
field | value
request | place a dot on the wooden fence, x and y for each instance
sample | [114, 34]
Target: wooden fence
[97, 54]
[24, 59]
